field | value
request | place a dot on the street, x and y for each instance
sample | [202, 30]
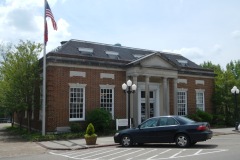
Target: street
[220, 147]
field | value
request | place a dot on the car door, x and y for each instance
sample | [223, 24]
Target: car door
[168, 126]
[147, 131]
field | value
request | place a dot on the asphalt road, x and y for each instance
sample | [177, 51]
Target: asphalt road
[220, 147]
[12, 146]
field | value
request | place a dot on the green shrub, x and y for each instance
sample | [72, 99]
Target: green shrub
[201, 116]
[206, 117]
[90, 131]
[101, 119]
[75, 127]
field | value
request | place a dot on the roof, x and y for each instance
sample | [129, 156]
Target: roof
[114, 53]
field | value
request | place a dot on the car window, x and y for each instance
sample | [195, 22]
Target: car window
[171, 121]
[149, 123]
[167, 121]
[163, 121]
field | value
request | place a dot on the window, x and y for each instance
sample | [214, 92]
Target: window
[182, 103]
[76, 102]
[200, 100]
[137, 55]
[182, 62]
[150, 123]
[86, 51]
[107, 98]
[112, 54]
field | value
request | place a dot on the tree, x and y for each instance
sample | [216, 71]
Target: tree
[19, 79]
[224, 81]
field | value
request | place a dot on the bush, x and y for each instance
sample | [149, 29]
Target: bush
[206, 117]
[75, 127]
[90, 131]
[100, 118]
[201, 116]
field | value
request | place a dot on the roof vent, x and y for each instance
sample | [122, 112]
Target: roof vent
[112, 54]
[183, 62]
[118, 44]
[63, 42]
[86, 51]
[138, 55]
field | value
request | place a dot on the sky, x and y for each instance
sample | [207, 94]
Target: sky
[200, 30]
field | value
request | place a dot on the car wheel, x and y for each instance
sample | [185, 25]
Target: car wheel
[126, 141]
[182, 140]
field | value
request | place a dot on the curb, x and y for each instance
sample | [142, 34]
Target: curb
[108, 145]
[78, 148]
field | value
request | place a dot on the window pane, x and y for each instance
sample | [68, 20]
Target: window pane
[106, 101]
[76, 103]
[182, 105]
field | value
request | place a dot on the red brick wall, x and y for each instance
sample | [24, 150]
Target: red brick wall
[191, 87]
[58, 79]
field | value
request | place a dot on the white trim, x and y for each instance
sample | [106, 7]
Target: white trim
[77, 85]
[112, 53]
[182, 61]
[77, 74]
[152, 87]
[82, 49]
[107, 75]
[112, 87]
[107, 86]
[199, 82]
[203, 94]
[182, 81]
[186, 99]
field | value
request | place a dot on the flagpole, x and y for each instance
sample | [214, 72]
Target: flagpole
[44, 75]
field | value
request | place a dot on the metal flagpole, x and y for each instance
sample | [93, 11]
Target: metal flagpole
[44, 75]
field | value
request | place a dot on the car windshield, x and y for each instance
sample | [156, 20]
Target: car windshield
[186, 120]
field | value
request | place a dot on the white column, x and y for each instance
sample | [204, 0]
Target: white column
[147, 105]
[135, 103]
[165, 97]
[175, 95]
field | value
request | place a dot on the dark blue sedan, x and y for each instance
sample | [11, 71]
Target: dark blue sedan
[165, 129]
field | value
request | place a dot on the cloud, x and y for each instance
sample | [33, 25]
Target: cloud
[217, 49]
[194, 54]
[24, 20]
[235, 34]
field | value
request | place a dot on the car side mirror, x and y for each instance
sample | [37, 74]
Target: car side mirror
[139, 126]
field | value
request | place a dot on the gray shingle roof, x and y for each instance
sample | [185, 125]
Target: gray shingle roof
[125, 53]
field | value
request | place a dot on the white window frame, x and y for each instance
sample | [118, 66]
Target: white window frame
[108, 87]
[81, 86]
[200, 100]
[182, 104]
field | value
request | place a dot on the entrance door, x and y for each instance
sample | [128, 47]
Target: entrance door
[152, 101]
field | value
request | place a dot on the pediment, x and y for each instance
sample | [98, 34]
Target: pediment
[156, 61]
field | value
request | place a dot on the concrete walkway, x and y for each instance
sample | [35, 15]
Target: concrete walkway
[106, 141]
[74, 144]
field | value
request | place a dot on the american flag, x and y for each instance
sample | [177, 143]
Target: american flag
[48, 13]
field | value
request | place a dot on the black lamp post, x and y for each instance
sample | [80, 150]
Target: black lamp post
[129, 88]
[235, 91]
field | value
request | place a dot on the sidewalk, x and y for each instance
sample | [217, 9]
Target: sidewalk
[75, 144]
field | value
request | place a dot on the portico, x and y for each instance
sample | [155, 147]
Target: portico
[155, 79]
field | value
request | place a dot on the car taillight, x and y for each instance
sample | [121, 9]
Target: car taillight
[202, 128]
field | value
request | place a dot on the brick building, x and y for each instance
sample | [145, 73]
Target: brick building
[84, 75]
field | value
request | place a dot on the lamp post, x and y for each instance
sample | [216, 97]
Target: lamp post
[129, 88]
[235, 91]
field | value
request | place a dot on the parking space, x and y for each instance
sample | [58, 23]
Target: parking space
[135, 153]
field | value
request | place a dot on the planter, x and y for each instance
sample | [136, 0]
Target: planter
[91, 140]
